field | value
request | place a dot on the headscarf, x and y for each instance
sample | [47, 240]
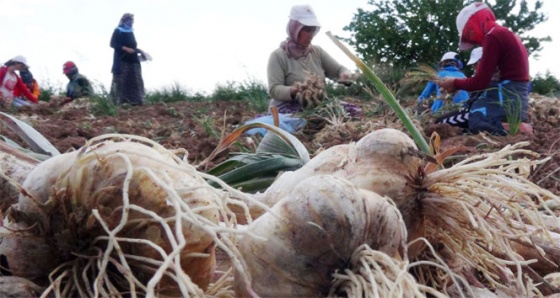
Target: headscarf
[69, 68]
[290, 45]
[125, 24]
[17, 59]
[478, 25]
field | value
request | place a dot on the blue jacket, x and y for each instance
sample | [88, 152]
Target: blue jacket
[448, 71]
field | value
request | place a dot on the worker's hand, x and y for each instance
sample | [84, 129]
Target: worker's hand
[129, 50]
[446, 84]
[345, 75]
[65, 101]
[347, 78]
[294, 90]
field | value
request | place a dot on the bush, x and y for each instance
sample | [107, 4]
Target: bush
[48, 90]
[46, 94]
[546, 84]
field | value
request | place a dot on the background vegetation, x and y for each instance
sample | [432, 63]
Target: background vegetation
[403, 33]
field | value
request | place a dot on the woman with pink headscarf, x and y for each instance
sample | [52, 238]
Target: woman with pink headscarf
[296, 59]
[502, 100]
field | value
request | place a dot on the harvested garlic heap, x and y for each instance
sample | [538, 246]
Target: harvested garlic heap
[122, 215]
[545, 109]
[311, 92]
[125, 217]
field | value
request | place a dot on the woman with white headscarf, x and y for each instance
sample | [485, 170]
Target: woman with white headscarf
[296, 59]
[12, 84]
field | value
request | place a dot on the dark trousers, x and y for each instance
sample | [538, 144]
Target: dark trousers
[502, 101]
[128, 86]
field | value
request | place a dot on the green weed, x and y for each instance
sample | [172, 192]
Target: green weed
[48, 90]
[513, 108]
[251, 90]
[173, 93]
[102, 105]
[208, 125]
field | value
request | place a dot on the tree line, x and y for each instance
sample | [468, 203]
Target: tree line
[405, 33]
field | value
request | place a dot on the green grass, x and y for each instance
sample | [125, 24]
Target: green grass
[173, 93]
[209, 126]
[513, 108]
[250, 90]
[102, 105]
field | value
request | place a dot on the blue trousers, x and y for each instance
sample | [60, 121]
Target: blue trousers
[502, 101]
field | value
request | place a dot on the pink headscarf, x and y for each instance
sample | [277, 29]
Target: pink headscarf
[290, 45]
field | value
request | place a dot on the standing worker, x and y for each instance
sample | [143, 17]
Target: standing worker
[128, 84]
[450, 66]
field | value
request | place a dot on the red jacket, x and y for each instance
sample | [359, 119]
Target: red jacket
[504, 51]
[20, 87]
[34, 89]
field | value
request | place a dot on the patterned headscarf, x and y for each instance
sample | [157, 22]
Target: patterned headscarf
[125, 24]
[290, 45]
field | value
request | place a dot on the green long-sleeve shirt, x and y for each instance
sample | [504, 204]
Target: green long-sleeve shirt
[78, 86]
[283, 72]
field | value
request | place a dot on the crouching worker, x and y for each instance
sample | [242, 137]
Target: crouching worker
[450, 66]
[78, 85]
[12, 84]
[30, 83]
[297, 70]
[501, 101]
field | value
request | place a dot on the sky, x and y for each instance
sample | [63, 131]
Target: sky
[196, 45]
